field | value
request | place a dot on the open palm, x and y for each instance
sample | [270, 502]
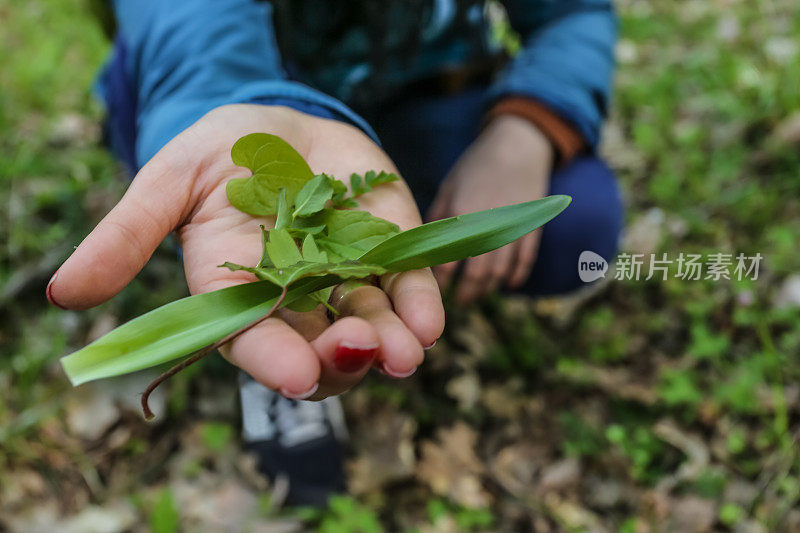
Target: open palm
[182, 188]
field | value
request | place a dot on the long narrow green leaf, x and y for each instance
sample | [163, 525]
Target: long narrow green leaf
[452, 239]
[179, 328]
[184, 326]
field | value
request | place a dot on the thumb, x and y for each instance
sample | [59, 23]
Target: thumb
[122, 243]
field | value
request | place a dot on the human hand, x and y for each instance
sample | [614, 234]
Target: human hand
[510, 162]
[182, 188]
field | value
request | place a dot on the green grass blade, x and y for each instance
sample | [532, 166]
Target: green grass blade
[179, 328]
[456, 238]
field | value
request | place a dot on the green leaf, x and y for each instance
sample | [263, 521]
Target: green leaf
[357, 229]
[283, 218]
[338, 251]
[310, 302]
[453, 239]
[164, 517]
[271, 274]
[344, 270]
[304, 305]
[311, 252]
[282, 249]
[265, 260]
[275, 165]
[355, 185]
[313, 196]
[371, 179]
[184, 326]
[180, 328]
[285, 276]
[339, 192]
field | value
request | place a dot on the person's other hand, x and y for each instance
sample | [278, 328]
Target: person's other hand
[182, 189]
[509, 163]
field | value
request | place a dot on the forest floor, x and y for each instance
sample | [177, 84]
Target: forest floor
[646, 405]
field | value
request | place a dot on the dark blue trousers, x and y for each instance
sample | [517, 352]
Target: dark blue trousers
[425, 135]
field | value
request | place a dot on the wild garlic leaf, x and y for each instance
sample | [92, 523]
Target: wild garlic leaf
[184, 326]
[284, 216]
[174, 330]
[282, 249]
[357, 229]
[456, 238]
[275, 164]
[313, 196]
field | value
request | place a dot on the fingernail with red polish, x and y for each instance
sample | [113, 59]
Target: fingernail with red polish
[49, 292]
[398, 375]
[349, 358]
[302, 396]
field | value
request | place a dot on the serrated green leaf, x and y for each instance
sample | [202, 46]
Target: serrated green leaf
[456, 238]
[356, 186]
[313, 196]
[344, 270]
[372, 178]
[285, 276]
[271, 274]
[339, 251]
[357, 229]
[339, 190]
[364, 185]
[275, 165]
[282, 249]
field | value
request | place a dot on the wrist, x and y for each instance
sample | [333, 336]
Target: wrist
[520, 137]
[564, 138]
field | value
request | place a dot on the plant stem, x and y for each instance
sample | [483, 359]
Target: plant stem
[148, 414]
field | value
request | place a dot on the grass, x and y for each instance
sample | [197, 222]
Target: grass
[701, 91]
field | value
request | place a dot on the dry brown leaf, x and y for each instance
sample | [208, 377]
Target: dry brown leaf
[450, 467]
[515, 467]
[386, 452]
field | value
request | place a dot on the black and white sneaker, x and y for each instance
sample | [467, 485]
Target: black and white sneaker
[299, 441]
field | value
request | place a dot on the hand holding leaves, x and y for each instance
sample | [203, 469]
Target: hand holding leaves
[272, 352]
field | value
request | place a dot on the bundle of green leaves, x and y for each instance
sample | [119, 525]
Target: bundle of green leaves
[314, 232]
[318, 241]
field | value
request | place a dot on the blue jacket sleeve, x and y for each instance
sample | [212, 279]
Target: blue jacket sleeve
[567, 60]
[186, 57]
